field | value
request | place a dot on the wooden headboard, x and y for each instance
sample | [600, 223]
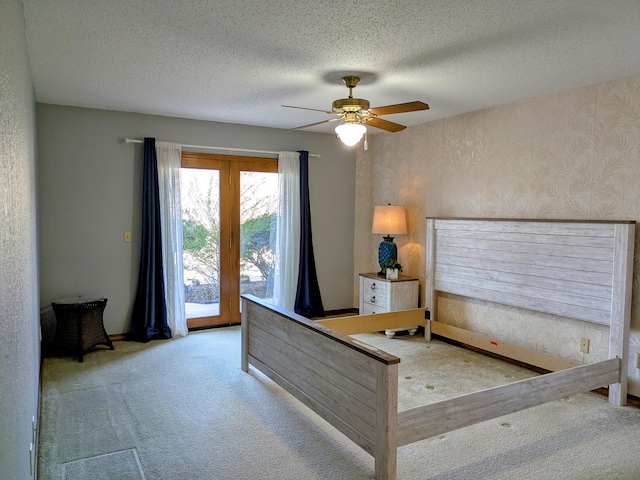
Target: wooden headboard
[575, 269]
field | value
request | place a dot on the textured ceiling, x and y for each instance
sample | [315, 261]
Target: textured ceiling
[238, 61]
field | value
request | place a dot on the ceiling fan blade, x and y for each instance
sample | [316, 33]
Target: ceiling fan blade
[312, 109]
[399, 108]
[383, 124]
[317, 123]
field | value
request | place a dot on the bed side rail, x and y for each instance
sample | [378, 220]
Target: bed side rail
[426, 421]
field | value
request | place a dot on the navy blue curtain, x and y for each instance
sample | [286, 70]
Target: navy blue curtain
[149, 318]
[308, 300]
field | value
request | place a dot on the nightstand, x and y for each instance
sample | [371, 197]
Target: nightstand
[378, 295]
[79, 326]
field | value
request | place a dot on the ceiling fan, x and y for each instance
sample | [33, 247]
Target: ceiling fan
[355, 113]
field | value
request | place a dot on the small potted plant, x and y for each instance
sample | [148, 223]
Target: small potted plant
[391, 268]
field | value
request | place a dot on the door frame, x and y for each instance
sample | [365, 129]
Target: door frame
[230, 167]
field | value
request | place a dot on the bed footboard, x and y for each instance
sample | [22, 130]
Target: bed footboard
[351, 385]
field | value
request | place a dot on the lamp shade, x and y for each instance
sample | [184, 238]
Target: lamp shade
[350, 133]
[389, 220]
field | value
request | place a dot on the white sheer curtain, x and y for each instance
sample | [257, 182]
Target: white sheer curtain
[171, 221]
[287, 248]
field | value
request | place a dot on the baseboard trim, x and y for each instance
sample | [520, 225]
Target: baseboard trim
[117, 337]
[341, 311]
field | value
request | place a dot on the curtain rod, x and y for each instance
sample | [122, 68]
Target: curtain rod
[207, 147]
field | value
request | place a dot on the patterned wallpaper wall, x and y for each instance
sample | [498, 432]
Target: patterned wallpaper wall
[571, 155]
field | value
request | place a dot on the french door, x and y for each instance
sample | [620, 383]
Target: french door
[229, 209]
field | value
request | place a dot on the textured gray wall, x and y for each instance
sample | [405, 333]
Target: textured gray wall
[89, 194]
[19, 319]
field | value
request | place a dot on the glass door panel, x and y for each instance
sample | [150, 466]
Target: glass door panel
[258, 210]
[200, 191]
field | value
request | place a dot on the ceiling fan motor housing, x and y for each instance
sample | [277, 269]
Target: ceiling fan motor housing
[344, 105]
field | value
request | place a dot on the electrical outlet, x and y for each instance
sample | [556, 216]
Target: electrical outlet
[584, 345]
[127, 237]
[638, 360]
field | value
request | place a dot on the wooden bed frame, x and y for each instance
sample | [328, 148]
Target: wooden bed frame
[579, 270]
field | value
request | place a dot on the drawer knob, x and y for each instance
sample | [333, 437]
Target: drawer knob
[373, 286]
[373, 299]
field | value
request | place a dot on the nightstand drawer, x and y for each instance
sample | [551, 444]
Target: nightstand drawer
[375, 297]
[372, 285]
[368, 308]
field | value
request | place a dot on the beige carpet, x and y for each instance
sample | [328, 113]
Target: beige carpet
[183, 409]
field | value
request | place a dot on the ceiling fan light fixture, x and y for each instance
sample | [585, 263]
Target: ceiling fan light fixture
[350, 133]
[353, 113]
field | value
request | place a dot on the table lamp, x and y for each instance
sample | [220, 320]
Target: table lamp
[388, 220]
